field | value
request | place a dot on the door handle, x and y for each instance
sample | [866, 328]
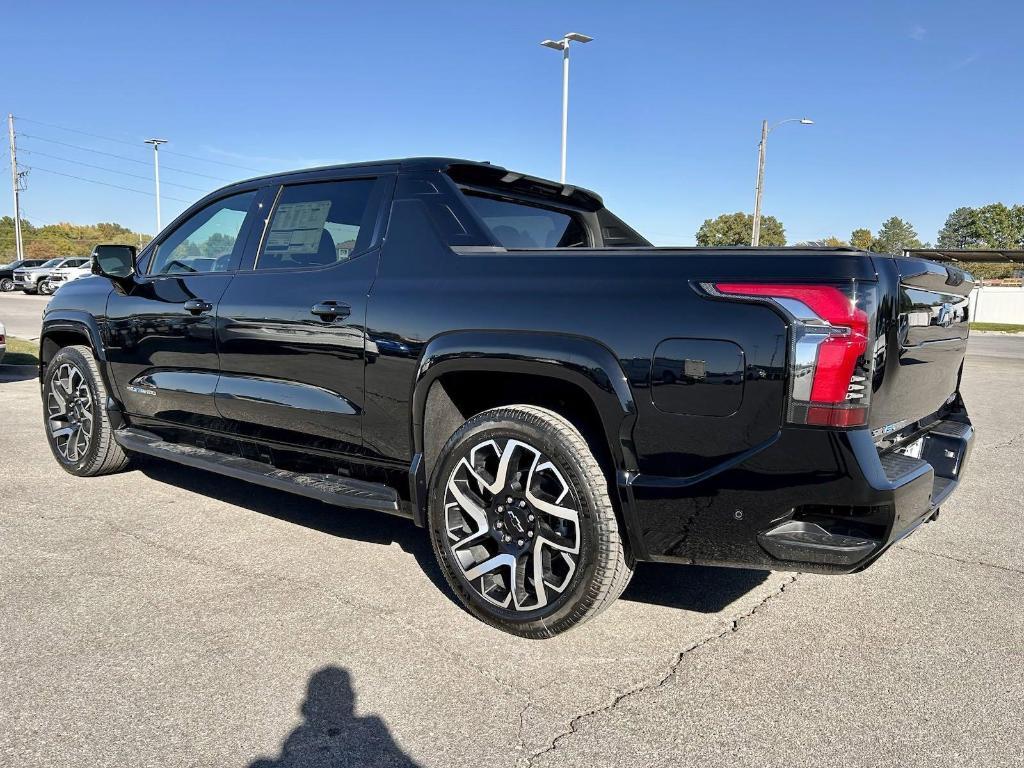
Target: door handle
[197, 306]
[331, 310]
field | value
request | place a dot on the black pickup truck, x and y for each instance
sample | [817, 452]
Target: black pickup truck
[508, 364]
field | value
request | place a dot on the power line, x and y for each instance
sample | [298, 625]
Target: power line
[133, 144]
[104, 183]
[119, 157]
[109, 170]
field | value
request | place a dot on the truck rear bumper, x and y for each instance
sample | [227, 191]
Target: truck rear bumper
[808, 500]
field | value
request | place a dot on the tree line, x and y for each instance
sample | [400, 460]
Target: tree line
[995, 226]
[64, 239]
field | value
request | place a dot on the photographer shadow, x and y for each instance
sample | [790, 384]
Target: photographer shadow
[331, 734]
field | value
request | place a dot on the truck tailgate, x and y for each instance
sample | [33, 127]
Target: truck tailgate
[918, 360]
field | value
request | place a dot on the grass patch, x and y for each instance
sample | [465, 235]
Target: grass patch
[21, 352]
[1004, 327]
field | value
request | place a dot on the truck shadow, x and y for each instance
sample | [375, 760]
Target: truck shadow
[686, 587]
[331, 734]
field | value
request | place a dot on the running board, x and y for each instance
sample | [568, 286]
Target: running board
[332, 489]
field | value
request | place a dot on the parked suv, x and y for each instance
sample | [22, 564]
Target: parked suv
[505, 362]
[33, 279]
[65, 274]
[7, 272]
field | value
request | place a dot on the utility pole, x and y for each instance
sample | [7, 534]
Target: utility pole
[563, 46]
[15, 189]
[762, 148]
[156, 174]
[755, 238]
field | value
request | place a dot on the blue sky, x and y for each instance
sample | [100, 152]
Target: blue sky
[917, 105]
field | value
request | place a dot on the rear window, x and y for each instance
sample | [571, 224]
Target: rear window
[518, 225]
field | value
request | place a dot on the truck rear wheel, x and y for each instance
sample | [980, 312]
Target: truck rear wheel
[523, 525]
[78, 430]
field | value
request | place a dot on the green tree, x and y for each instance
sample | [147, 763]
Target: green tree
[960, 230]
[995, 226]
[736, 228]
[862, 238]
[63, 239]
[1017, 217]
[894, 236]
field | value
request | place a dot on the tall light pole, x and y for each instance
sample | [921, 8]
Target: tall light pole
[755, 237]
[156, 174]
[563, 46]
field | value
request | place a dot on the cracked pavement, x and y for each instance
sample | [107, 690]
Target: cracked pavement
[170, 617]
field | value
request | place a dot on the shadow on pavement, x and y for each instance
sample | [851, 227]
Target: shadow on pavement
[331, 733]
[357, 524]
[691, 587]
[687, 587]
[10, 373]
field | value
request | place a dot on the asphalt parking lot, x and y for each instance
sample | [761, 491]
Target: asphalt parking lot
[169, 617]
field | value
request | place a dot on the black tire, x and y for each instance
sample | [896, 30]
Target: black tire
[45, 289]
[99, 454]
[603, 566]
[6, 285]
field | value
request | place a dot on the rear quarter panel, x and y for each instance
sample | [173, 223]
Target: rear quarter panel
[626, 300]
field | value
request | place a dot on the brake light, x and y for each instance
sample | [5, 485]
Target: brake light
[829, 363]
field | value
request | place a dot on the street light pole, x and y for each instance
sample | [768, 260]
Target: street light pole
[563, 46]
[156, 175]
[762, 149]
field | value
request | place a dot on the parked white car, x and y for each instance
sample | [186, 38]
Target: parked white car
[65, 274]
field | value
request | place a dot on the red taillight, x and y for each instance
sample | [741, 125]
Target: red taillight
[829, 367]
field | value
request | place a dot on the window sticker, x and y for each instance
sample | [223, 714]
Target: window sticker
[296, 227]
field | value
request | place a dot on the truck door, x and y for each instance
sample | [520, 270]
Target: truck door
[291, 330]
[161, 340]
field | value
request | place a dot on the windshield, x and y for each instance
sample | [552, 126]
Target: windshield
[51, 263]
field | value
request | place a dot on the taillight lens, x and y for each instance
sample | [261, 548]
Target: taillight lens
[830, 368]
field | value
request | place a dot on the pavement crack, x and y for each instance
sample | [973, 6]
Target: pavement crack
[965, 561]
[735, 624]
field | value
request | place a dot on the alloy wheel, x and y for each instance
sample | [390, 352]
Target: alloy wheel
[69, 412]
[6, 285]
[512, 524]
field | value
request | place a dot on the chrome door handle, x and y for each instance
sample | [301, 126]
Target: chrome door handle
[197, 306]
[331, 310]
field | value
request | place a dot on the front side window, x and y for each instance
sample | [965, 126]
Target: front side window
[516, 225]
[316, 225]
[206, 241]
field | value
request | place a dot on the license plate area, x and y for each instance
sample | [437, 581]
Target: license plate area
[912, 449]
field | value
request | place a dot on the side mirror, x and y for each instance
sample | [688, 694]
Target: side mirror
[114, 261]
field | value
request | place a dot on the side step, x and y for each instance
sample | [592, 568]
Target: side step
[333, 489]
[809, 542]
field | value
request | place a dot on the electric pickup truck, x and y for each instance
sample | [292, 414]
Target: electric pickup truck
[505, 362]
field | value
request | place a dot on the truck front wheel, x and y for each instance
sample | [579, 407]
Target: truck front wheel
[523, 525]
[78, 430]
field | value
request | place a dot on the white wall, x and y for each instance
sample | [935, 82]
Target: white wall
[997, 305]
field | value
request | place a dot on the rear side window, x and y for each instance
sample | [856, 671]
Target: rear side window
[517, 225]
[316, 225]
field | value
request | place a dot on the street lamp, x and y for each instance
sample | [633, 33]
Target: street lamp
[156, 174]
[563, 46]
[755, 237]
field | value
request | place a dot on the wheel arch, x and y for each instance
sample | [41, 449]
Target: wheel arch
[506, 368]
[64, 328]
